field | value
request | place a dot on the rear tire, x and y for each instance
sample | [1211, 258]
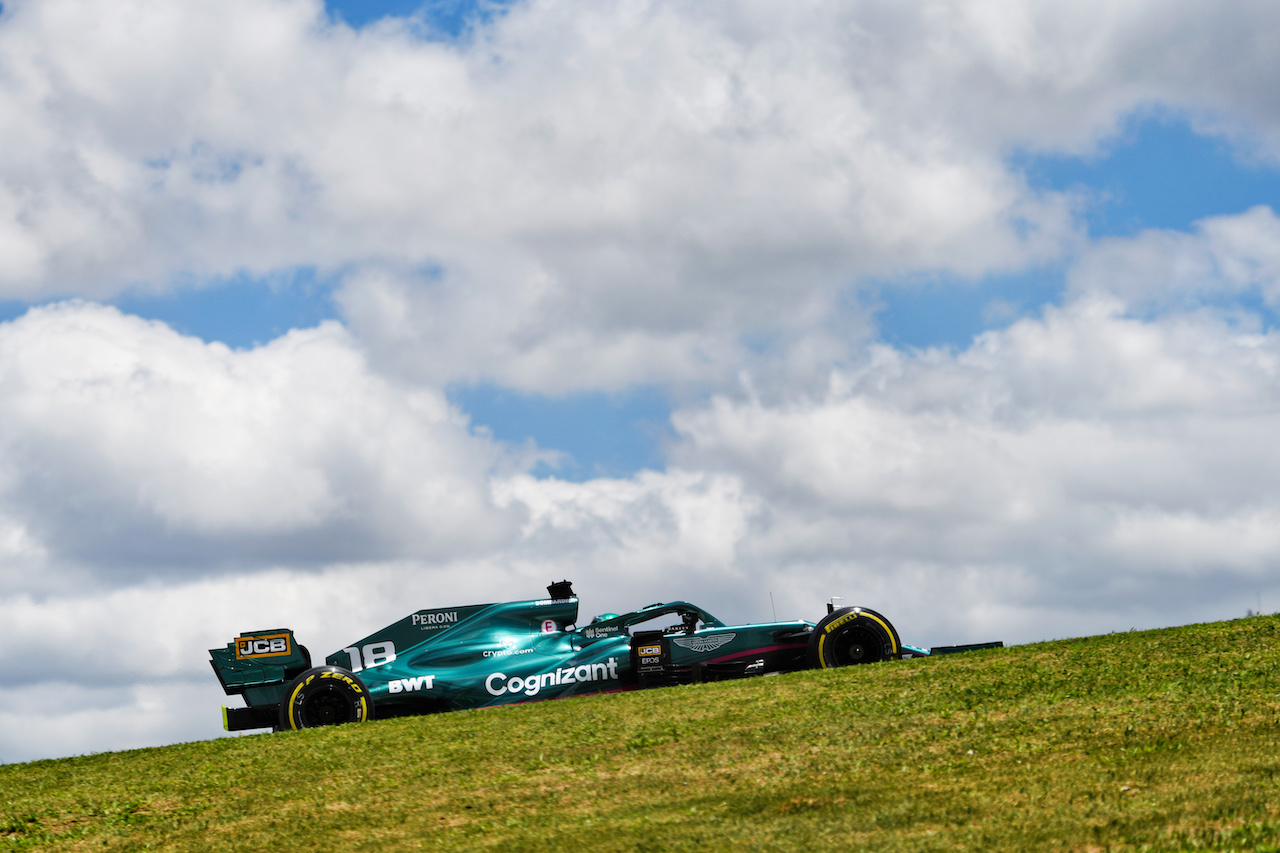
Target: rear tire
[853, 635]
[325, 696]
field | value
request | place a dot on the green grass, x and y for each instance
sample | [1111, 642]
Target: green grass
[1159, 740]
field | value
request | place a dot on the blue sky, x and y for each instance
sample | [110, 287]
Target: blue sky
[1137, 180]
[1156, 173]
[450, 17]
[617, 230]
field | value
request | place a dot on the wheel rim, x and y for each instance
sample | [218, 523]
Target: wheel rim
[326, 708]
[857, 646]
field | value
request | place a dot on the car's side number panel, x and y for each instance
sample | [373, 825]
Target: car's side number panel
[370, 655]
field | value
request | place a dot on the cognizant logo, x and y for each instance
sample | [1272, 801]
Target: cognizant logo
[498, 684]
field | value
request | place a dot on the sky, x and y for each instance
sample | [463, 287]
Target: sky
[318, 315]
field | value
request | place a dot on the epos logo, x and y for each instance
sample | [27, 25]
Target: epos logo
[263, 646]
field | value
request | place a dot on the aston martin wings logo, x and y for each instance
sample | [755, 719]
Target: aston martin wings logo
[703, 644]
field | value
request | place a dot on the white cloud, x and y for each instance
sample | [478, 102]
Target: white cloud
[629, 191]
[1083, 471]
[584, 197]
[60, 718]
[126, 445]
[1222, 258]
[629, 185]
[1101, 460]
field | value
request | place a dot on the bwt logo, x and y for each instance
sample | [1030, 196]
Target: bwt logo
[411, 685]
[269, 645]
[432, 620]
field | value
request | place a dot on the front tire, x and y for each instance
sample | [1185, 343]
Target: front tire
[325, 696]
[853, 635]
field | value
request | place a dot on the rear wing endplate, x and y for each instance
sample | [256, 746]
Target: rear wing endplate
[257, 659]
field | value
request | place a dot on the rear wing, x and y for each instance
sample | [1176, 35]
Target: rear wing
[257, 659]
[257, 665]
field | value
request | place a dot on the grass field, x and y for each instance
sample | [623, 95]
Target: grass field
[1159, 740]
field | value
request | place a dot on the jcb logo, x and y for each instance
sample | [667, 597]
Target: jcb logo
[265, 646]
[650, 650]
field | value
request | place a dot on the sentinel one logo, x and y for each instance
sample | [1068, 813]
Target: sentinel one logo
[262, 646]
[435, 621]
[497, 684]
[411, 685]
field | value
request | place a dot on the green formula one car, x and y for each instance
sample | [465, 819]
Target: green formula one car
[450, 658]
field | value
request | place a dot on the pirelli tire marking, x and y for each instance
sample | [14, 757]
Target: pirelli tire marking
[853, 615]
[302, 691]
